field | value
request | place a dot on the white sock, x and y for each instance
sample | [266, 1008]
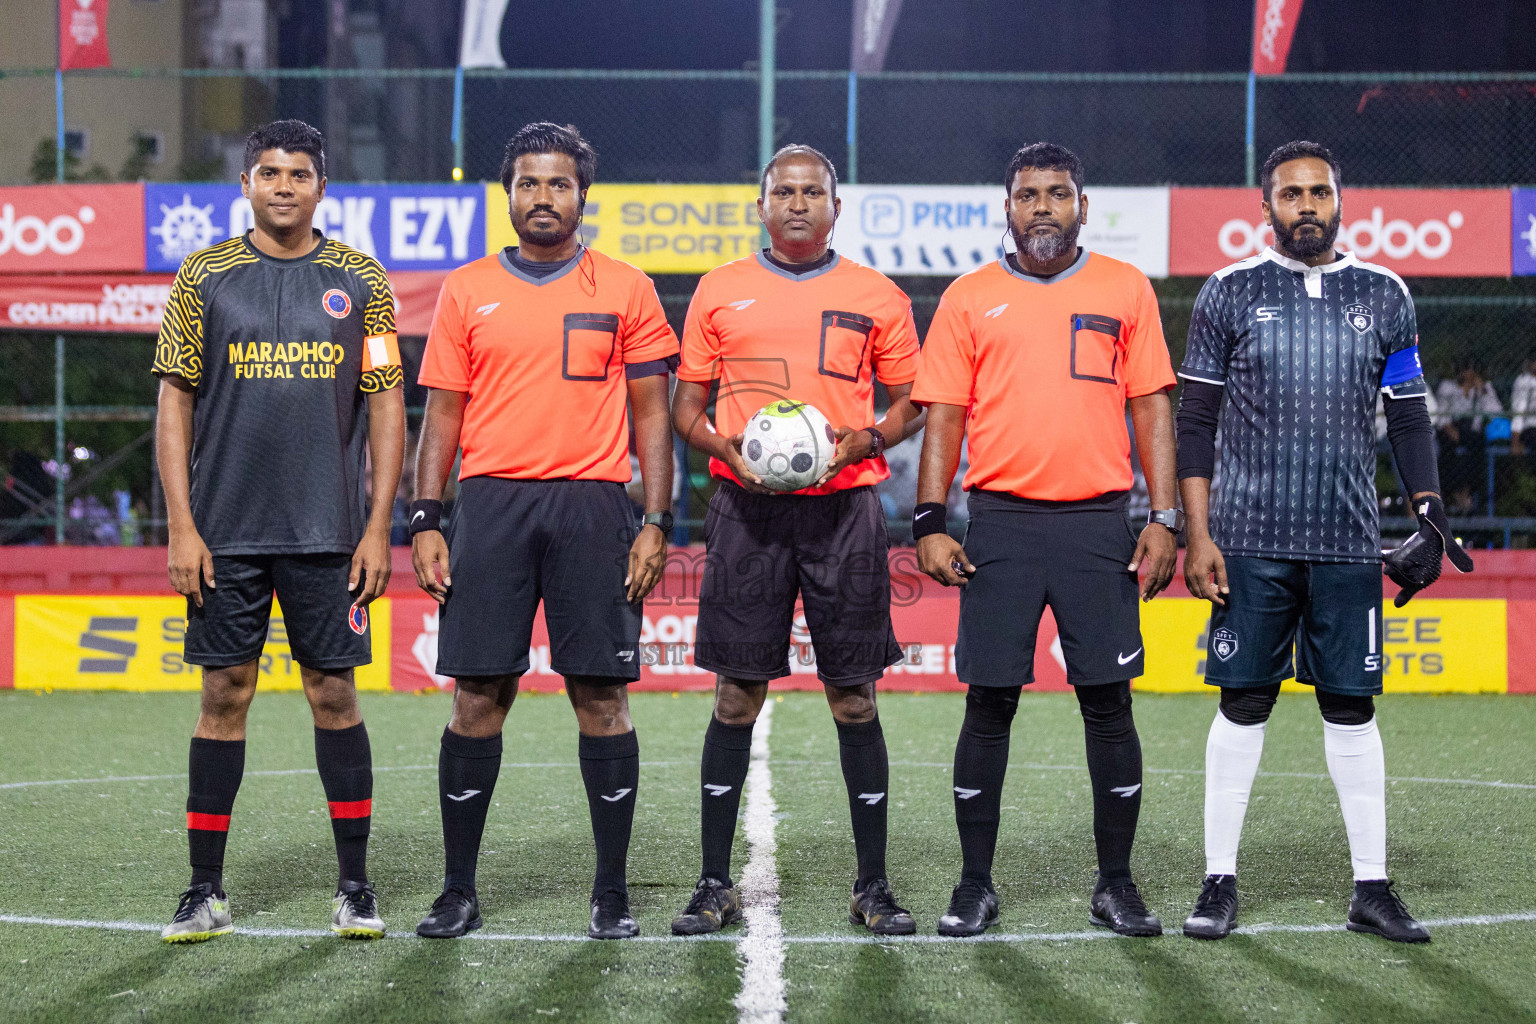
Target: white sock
[1231, 761]
[1359, 770]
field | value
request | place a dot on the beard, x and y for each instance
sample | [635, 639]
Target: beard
[547, 237]
[1305, 247]
[1047, 248]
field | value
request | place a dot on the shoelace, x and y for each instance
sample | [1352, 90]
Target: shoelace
[363, 900]
[879, 894]
[1216, 899]
[191, 900]
[969, 890]
[611, 902]
[447, 899]
[1128, 897]
[1387, 899]
[703, 895]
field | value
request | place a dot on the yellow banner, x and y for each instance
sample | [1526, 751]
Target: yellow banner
[1445, 646]
[135, 643]
[662, 229]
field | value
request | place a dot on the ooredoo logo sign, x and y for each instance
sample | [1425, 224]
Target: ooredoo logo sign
[1415, 232]
[72, 227]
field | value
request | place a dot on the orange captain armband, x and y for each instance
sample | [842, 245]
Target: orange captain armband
[381, 350]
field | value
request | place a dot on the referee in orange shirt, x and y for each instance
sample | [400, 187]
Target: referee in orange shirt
[1036, 358]
[797, 321]
[536, 357]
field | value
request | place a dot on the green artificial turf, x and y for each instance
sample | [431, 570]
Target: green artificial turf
[115, 851]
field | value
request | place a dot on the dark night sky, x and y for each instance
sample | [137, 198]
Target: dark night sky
[1024, 35]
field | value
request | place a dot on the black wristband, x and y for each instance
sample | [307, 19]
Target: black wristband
[424, 514]
[928, 518]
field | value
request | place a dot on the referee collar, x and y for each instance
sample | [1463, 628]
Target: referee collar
[515, 271]
[1077, 264]
[767, 265]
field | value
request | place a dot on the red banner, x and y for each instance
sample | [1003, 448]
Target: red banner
[134, 303]
[71, 227]
[1274, 25]
[1414, 232]
[924, 615]
[83, 34]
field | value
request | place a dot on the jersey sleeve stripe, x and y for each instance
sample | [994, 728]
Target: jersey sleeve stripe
[1204, 380]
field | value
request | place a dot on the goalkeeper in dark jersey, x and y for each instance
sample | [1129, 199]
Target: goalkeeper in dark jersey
[278, 364]
[1299, 340]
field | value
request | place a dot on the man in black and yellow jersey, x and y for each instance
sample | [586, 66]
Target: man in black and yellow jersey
[278, 362]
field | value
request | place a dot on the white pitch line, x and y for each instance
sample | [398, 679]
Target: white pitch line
[1268, 928]
[761, 999]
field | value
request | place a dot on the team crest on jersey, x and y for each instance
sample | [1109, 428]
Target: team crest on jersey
[1224, 643]
[1359, 317]
[337, 303]
[357, 618]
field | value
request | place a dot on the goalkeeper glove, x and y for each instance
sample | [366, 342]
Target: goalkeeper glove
[1416, 564]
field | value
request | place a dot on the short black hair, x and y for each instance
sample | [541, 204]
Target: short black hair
[548, 137]
[797, 149]
[1046, 156]
[288, 136]
[1301, 149]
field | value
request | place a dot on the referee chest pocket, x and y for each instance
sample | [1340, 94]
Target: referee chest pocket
[844, 342]
[1095, 347]
[588, 346]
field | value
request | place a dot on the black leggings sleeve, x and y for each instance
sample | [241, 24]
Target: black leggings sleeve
[1199, 409]
[1413, 444]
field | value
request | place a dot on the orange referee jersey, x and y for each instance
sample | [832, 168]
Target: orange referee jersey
[818, 338]
[1045, 367]
[544, 362]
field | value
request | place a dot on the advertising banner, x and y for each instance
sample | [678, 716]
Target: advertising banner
[945, 230]
[80, 642]
[662, 229]
[1454, 645]
[83, 34]
[405, 227]
[134, 303]
[1274, 25]
[1523, 231]
[71, 227]
[1413, 232]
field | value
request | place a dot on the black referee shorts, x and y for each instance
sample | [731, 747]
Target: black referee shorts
[322, 630]
[764, 549]
[1026, 560]
[514, 543]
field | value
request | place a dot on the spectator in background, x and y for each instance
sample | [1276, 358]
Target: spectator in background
[1465, 404]
[1522, 405]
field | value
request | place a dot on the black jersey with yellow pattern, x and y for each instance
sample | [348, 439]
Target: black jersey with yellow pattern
[282, 354]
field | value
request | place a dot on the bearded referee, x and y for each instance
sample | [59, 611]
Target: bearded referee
[278, 365]
[797, 322]
[1035, 359]
[1299, 340]
[536, 358]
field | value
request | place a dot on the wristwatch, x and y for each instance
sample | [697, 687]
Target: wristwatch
[876, 444]
[1173, 518]
[661, 519]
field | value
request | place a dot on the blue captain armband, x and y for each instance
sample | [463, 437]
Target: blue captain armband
[1402, 367]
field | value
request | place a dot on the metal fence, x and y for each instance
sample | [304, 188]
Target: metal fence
[893, 127]
[698, 126]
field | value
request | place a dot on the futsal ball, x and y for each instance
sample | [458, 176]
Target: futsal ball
[788, 444]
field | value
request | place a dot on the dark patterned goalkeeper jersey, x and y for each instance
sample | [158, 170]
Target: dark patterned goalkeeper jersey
[282, 353]
[1302, 352]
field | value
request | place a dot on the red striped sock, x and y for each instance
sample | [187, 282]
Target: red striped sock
[214, 770]
[345, 761]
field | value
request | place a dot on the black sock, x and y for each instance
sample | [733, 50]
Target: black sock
[610, 767]
[1114, 768]
[867, 774]
[466, 778]
[214, 770]
[346, 771]
[727, 754]
[981, 763]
